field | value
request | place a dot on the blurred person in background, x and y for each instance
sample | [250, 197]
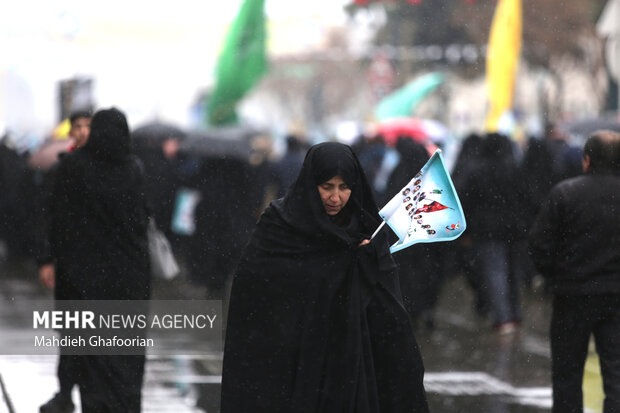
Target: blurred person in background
[546, 161]
[371, 151]
[49, 157]
[98, 242]
[490, 195]
[286, 169]
[575, 244]
[464, 262]
[162, 169]
[419, 269]
[78, 136]
[17, 205]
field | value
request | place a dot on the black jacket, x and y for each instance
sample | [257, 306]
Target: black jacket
[490, 193]
[575, 240]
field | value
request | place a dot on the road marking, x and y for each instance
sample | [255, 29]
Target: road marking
[480, 383]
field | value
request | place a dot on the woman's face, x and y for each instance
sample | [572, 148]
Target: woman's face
[334, 194]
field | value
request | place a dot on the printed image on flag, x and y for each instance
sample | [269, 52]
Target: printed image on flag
[427, 209]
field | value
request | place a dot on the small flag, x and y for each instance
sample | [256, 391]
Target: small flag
[427, 209]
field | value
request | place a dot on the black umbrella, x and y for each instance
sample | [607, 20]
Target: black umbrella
[154, 133]
[230, 142]
[582, 129]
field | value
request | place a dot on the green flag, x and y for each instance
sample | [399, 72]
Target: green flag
[403, 102]
[241, 63]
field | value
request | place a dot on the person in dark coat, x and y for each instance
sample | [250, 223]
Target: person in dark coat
[78, 136]
[224, 218]
[468, 160]
[419, 268]
[286, 169]
[490, 196]
[162, 170]
[546, 161]
[17, 204]
[98, 238]
[316, 322]
[371, 151]
[575, 244]
[68, 369]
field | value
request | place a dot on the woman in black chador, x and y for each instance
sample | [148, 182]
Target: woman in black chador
[316, 322]
[98, 238]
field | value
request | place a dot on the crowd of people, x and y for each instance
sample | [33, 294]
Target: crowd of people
[316, 207]
[501, 185]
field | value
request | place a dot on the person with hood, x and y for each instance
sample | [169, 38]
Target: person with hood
[98, 239]
[316, 322]
[575, 244]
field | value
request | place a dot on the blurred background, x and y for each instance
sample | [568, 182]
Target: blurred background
[328, 63]
[223, 99]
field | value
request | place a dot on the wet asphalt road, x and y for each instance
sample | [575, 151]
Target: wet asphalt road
[469, 367]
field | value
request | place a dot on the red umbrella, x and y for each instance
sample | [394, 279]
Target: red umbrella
[393, 129]
[414, 128]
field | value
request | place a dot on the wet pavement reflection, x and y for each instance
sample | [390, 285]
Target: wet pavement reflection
[469, 367]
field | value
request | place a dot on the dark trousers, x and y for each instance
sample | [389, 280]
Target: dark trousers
[420, 278]
[573, 320]
[67, 372]
[498, 280]
[110, 384]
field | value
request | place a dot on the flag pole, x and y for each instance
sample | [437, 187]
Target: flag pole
[377, 230]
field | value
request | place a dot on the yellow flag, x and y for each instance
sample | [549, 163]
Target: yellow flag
[502, 59]
[61, 131]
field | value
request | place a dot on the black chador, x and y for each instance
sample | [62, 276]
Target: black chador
[316, 322]
[98, 239]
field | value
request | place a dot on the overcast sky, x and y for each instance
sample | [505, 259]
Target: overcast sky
[146, 57]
